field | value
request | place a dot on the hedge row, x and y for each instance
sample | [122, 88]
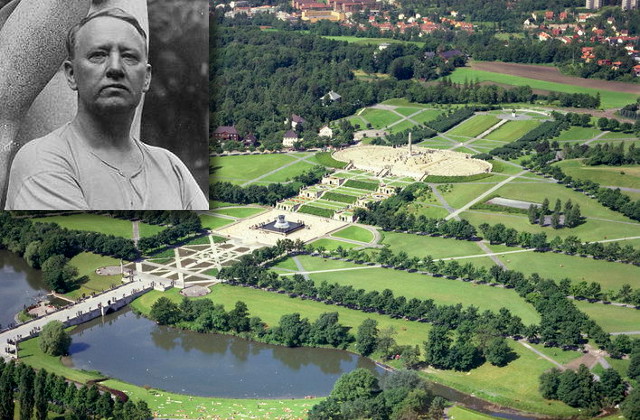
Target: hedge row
[342, 198]
[445, 122]
[317, 211]
[361, 185]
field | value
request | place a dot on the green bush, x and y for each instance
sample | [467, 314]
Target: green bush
[441, 179]
[341, 198]
[316, 211]
[361, 185]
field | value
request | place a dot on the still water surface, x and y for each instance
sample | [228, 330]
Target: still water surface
[134, 349]
[20, 286]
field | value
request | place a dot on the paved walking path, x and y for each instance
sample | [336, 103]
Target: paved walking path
[539, 353]
[136, 232]
[483, 195]
[596, 137]
[301, 268]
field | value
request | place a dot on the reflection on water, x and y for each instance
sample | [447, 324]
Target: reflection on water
[136, 350]
[20, 286]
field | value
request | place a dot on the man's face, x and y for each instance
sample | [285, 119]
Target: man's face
[109, 69]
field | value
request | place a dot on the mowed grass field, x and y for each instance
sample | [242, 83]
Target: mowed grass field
[611, 318]
[513, 130]
[213, 222]
[515, 385]
[240, 212]
[379, 118]
[271, 306]
[371, 41]
[100, 224]
[410, 285]
[241, 169]
[421, 246]
[87, 263]
[332, 244]
[609, 99]
[578, 133]
[355, 233]
[474, 126]
[620, 176]
[610, 275]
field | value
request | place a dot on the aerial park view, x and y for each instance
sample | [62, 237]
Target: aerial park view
[417, 209]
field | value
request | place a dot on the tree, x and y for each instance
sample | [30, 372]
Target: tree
[293, 331]
[549, 382]
[54, 340]
[437, 347]
[57, 274]
[42, 394]
[25, 389]
[360, 383]
[633, 371]
[612, 387]
[164, 311]
[532, 213]
[631, 405]
[367, 337]
[7, 405]
[498, 352]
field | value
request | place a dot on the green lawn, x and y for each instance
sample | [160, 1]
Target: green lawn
[421, 246]
[240, 212]
[427, 115]
[147, 230]
[610, 275]
[379, 118]
[95, 223]
[213, 222]
[271, 306]
[286, 174]
[515, 385]
[535, 193]
[578, 133]
[404, 125]
[460, 413]
[356, 233]
[474, 126]
[609, 99]
[611, 318]
[441, 290]
[332, 244]
[240, 169]
[461, 194]
[87, 263]
[619, 176]
[513, 130]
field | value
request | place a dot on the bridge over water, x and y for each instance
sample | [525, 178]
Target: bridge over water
[82, 311]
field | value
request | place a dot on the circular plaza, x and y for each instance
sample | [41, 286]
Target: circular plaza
[415, 163]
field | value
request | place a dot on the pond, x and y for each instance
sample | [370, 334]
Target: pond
[20, 286]
[134, 349]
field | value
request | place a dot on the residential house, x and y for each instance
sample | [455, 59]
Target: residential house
[226, 133]
[326, 131]
[290, 138]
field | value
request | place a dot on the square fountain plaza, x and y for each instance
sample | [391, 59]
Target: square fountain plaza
[247, 232]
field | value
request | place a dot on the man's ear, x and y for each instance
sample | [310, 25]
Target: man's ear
[147, 79]
[70, 75]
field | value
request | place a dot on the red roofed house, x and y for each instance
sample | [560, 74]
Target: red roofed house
[226, 133]
[548, 15]
[636, 70]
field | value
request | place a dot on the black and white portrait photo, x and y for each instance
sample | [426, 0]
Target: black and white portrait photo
[104, 105]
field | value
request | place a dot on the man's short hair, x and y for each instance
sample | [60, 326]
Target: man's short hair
[114, 12]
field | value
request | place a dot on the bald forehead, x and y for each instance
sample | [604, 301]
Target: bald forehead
[107, 30]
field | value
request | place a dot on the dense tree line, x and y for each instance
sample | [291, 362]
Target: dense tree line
[603, 154]
[359, 394]
[580, 388]
[613, 199]
[40, 392]
[261, 194]
[188, 225]
[572, 215]
[562, 323]
[631, 111]
[16, 234]
[204, 316]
